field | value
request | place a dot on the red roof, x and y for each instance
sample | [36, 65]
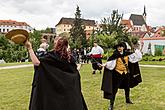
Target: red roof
[140, 34]
[154, 38]
[126, 23]
[70, 21]
[158, 32]
[12, 23]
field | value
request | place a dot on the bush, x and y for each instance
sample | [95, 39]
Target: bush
[147, 58]
[158, 52]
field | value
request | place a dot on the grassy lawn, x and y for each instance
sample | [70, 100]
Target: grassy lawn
[15, 90]
[12, 64]
[152, 62]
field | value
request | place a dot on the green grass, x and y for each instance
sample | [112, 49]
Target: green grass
[12, 64]
[15, 87]
[152, 62]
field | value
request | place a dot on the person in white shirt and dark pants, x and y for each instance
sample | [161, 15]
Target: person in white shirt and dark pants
[96, 55]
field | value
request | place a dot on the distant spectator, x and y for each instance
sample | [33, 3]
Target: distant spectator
[42, 49]
[96, 57]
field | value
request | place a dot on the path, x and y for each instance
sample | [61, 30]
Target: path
[16, 66]
[29, 65]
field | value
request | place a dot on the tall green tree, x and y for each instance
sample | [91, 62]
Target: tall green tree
[113, 31]
[77, 33]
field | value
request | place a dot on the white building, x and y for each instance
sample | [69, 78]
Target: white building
[154, 43]
[7, 25]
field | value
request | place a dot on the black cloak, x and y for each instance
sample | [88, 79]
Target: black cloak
[56, 85]
[134, 75]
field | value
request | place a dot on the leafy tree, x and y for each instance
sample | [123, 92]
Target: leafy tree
[112, 31]
[11, 52]
[35, 38]
[91, 38]
[66, 34]
[158, 52]
[47, 30]
[77, 33]
[112, 23]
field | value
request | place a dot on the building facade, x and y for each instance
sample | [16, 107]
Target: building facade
[8, 25]
[154, 41]
[65, 24]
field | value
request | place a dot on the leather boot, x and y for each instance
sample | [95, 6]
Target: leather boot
[110, 107]
[94, 72]
[128, 101]
[127, 92]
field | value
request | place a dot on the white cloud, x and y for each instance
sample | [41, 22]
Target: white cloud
[46, 13]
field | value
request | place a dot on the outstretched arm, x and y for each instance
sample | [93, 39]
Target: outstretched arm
[33, 57]
[78, 67]
[136, 56]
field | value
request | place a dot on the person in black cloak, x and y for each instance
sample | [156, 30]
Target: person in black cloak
[56, 84]
[121, 71]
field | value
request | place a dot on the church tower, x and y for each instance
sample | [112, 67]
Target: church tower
[144, 13]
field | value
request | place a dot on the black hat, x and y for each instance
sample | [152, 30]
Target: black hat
[121, 44]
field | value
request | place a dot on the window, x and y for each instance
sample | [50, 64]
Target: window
[64, 29]
[3, 30]
[45, 37]
[7, 30]
[0, 30]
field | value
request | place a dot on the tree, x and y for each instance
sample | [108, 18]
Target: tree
[77, 33]
[66, 34]
[113, 31]
[112, 23]
[11, 52]
[35, 38]
[47, 30]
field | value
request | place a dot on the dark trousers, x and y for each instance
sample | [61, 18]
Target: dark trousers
[119, 81]
[95, 63]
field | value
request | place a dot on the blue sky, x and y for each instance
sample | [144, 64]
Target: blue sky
[46, 13]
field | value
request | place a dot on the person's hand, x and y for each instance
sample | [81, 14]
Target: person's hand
[136, 46]
[78, 67]
[28, 45]
[103, 65]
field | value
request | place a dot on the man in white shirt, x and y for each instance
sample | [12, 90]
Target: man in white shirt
[96, 55]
